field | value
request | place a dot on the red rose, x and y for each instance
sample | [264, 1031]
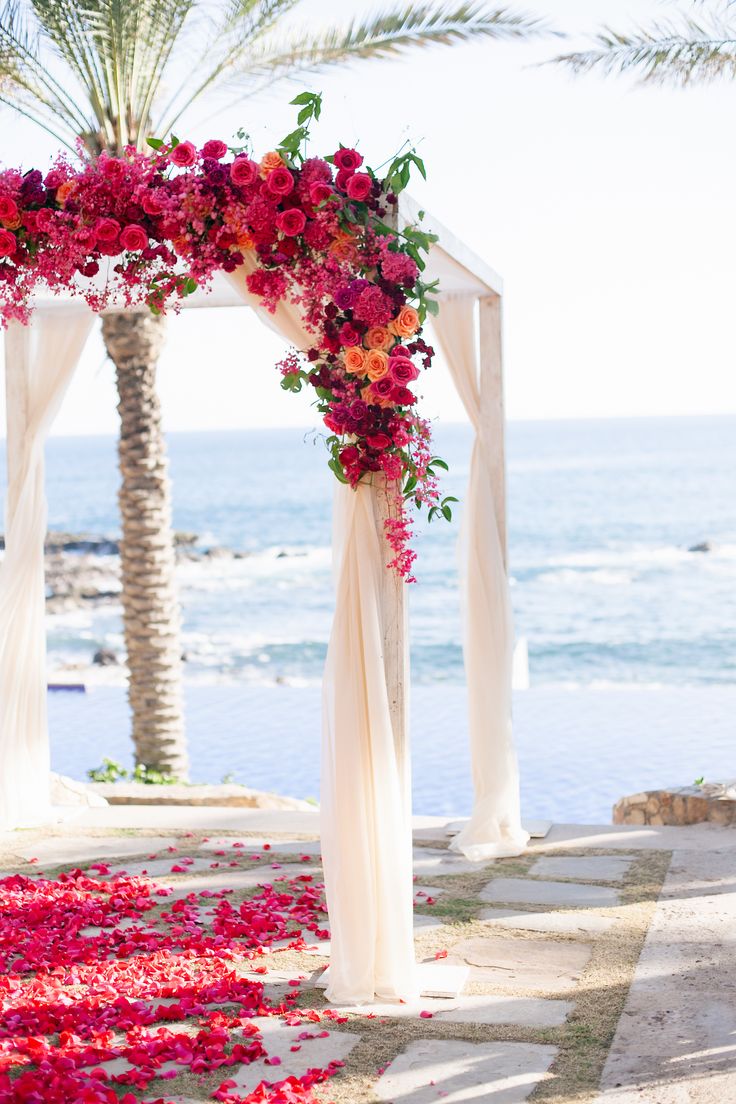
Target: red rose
[243, 172]
[214, 149]
[402, 371]
[348, 159]
[291, 222]
[379, 441]
[342, 179]
[279, 182]
[349, 335]
[359, 186]
[113, 168]
[152, 203]
[183, 155]
[107, 230]
[8, 243]
[349, 455]
[8, 208]
[402, 396]
[134, 238]
[319, 191]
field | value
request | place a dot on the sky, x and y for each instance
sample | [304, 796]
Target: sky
[608, 209]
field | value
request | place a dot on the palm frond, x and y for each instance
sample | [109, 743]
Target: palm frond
[382, 36]
[680, 51]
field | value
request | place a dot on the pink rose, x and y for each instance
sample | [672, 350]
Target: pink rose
[53, 178]
[348, 159]
[183, 155]
[107, 230]
[134, 238]
[319, 191]
[243, 172]
[359, 187]
[44, 220]
[214, 149]
[291, 222]
[383, 388]
[8, 243]
[279, 182]
[342, 180]
[402, 371]
[349, 335]
[8, 208]
[152, 203]
[379, 441]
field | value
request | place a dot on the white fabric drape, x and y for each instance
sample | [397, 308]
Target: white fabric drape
[51, 349]
[365, 813]
[495, 828]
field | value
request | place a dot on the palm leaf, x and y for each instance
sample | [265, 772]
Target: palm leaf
[383, 35]
[679, 51]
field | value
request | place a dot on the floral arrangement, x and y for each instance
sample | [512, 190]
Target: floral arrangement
[151, 228]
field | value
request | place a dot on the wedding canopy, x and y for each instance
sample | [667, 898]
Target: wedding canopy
[365, 800]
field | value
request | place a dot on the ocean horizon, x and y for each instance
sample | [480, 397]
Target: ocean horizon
[607, 594]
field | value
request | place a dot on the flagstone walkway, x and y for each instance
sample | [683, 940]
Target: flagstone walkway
[181, 964]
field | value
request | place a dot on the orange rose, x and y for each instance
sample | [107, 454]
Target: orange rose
[406, 322]
[343, 247]
[376, 363]
[12, 224]
[271, 161]
[64, 191]
[244, 240]
[378, 337]
[355, 360]
[369, 396]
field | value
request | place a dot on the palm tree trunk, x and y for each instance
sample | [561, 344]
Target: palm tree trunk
[151, 615]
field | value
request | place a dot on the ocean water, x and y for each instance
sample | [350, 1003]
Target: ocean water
[601, 517]
[632, 649]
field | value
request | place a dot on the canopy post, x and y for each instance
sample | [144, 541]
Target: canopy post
[17, 354]
[394, 610]
[492, 407]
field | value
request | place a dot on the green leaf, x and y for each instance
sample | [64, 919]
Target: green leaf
[447, 513]
[155, 143]
[432, 307]
[437, 462]
[335, 466]
[303, 98]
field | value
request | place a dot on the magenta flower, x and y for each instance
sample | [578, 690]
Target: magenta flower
[183, 155]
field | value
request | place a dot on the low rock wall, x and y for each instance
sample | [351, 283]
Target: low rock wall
[711, 802]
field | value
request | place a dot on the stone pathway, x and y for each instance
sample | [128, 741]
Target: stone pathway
[526, 964]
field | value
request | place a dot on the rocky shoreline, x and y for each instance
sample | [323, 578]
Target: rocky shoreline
[83, 569]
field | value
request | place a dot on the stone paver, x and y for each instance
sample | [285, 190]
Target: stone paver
[155, 868]
[523, 963]
[675, 1040]
[254, 845]
[528, 891]
[568, 923]
[422, 892]
[278, 1039]
[590, 868]
[522, 1011]
[455, 1071]
[60, 850]
[429, 861]
[435, 979]
[218, 880]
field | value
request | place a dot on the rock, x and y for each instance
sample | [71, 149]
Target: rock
[711, 802]
[702, 546]
[105, 657]
[68, 791]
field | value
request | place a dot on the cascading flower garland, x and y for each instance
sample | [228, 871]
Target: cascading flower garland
[320, 233]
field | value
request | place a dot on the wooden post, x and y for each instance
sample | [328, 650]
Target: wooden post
[395, 636]
[17, 339]
[492, 410]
